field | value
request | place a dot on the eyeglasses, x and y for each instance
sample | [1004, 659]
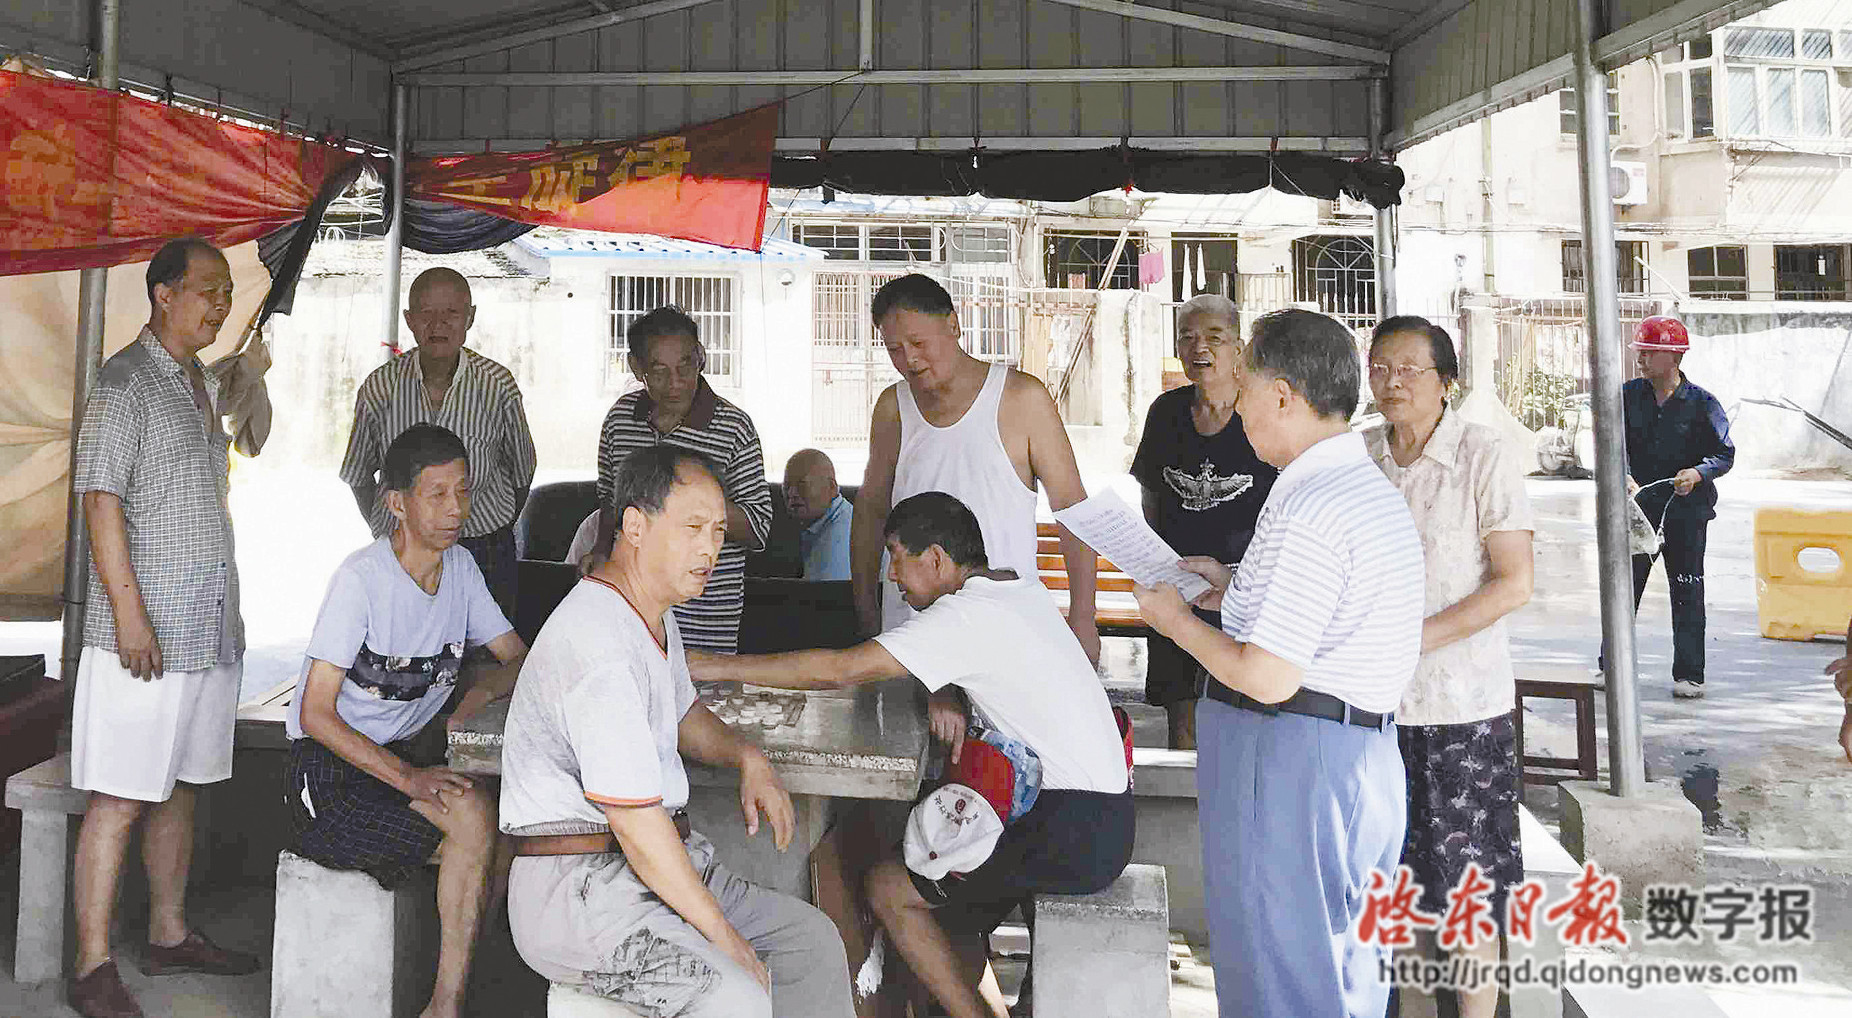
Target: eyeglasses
[1404, 373]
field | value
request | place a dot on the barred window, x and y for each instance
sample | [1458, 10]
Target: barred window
[712, 301]
[1718, 273]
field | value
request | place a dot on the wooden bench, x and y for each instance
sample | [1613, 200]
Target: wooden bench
[1106, 953]
[1550, 770]
[1118, 619]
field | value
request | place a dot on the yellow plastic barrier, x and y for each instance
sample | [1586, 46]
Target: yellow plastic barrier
[1794, 602]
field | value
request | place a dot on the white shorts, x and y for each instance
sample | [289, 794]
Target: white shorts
[133, 739]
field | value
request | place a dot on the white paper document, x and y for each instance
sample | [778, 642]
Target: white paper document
[1120, 534]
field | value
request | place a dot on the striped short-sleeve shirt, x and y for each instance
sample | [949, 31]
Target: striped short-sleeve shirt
[483, 408]
[724, 434]
[1333, 580]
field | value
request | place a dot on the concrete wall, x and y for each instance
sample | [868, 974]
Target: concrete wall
[1741, 349]
[551, 333]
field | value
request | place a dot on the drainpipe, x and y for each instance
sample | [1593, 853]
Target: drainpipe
[1626, 764]
[92, 291]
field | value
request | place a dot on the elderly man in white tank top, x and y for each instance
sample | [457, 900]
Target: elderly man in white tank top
[984, 433]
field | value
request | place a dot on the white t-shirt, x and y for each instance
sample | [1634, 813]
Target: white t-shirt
[400, 647]
[1006, 645]
[1333, 579]
[596, 717]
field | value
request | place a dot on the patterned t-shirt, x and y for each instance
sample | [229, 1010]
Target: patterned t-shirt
[401, 647]
[1209, 488]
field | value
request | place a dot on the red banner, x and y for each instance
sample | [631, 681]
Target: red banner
[705, 182]
[91, 178]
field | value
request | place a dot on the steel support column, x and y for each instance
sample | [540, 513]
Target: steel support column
[395, 233]
[92, 294]
[1384, 219]
[1626, 767]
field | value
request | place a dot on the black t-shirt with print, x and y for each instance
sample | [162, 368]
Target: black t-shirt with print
[1209, 488]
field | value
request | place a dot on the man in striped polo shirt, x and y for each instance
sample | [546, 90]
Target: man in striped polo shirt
[441, 383]
[677, 407]
[1299, 780]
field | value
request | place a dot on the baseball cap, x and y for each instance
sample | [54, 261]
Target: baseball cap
[953, 830]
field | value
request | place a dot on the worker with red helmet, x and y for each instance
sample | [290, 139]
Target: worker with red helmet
[1676, 433]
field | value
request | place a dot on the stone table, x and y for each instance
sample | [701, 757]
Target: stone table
[870, 743]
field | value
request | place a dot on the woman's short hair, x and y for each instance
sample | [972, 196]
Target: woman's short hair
[1213, 304]
[667, 320]
[645, 477]
[933, 517]
[912, 292]
[1440, 344]
[418, 447]
[1314, 354]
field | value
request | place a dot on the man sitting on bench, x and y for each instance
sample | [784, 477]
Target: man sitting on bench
[611, 891]
[1001, 639]
[366, 787]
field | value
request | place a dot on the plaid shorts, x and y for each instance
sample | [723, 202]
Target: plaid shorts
[347, 819]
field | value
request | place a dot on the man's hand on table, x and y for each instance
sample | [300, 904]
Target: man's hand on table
[468, 707]
[760, 789]
[430, 784]
[945, 715]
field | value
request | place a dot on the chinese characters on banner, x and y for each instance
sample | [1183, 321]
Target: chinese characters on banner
[706, 183]
[1588, 916]
[91, 178]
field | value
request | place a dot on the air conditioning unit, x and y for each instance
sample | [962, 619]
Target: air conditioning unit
[1628, 182]
[1351, 208]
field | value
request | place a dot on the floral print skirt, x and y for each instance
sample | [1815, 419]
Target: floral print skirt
[1463, 788]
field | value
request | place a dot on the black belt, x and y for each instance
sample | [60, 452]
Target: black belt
[1308, 702]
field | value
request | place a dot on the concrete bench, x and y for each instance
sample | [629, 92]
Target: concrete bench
[569, 1002]
[345, 947]
[1169, 833]
[1106, 954]
[1580, 1001]
[46, 801]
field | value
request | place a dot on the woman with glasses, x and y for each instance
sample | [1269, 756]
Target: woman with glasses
[1455, 722]
[1202, 483]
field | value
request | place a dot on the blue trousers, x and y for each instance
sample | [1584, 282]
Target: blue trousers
[1296, 812]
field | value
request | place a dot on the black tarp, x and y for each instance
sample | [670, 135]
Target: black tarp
[436, 228]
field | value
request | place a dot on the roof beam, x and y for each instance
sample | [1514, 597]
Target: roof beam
[1348, 146]
[302, 17]
[514, 39]
[972, 76]
[1232, 29]
[1341, 9]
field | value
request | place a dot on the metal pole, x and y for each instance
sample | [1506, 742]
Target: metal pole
[1385, 219]
[1626, 768]
[92, 292]
[395, 233]
[866, 24]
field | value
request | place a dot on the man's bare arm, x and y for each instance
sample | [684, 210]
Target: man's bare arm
[321, 722]
[653, 849]
[867, 661]
[1051, 459]
[511, 651]
[871, 508]
[136, 645]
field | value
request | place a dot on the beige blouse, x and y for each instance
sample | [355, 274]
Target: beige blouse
[1463, 488]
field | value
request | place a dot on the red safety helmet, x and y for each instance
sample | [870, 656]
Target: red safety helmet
[1662, 333]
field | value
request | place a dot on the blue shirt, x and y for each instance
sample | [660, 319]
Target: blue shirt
[1689, 431]
[825, 543]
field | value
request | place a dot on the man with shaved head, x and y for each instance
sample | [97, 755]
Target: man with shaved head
[815, 501]
[444, 384]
